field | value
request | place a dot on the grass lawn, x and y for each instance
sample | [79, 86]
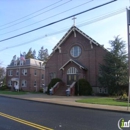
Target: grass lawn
[12, 92]
[103, 101]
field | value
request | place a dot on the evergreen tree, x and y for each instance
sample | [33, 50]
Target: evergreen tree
[43, 54]
[2, 72]
[34, 54]
[114, 72]
[29, 54]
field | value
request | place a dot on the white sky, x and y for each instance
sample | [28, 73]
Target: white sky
[102, 31]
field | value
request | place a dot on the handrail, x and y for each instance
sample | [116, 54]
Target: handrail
[52, 89]
[71, 86]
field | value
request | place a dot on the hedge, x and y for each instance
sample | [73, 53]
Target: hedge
[52, 83]
[83, 86]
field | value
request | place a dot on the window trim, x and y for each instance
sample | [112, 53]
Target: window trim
[35, 72]
[24, 72]
[74, 53]
[25, 83]
[10, 83]
[10, 73]
[42, 76]
[17, 72]
[52, 75]
[35, 83]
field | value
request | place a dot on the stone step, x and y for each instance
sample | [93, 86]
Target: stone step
[61, 91]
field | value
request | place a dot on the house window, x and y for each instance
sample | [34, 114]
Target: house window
[75, 51]
[15, 63]
[24, 71]
[21, 62]
[42, 76]
[40, 63]
[42, 84]
[52, 75]
[17, 72]
[100, 90]
[35, 83]
[105, 90]
[35, 72]
[10, 83]
[10, 72]
[24, 83]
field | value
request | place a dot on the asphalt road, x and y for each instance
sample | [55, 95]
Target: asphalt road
[56, 117]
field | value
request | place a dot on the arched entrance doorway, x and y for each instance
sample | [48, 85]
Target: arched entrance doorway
[71, 75]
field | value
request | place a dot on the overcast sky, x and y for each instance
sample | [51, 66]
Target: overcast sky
[18, 16]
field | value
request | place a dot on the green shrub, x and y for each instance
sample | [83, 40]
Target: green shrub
[123, 97]
[52, 83]
[41, 90]
[83, 86]
[4, 87]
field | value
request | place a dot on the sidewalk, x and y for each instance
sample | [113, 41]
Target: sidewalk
[68, 101]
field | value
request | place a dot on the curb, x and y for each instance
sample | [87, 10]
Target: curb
[54, 103]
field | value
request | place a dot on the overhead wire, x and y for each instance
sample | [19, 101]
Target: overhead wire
[57, 21]
[31, 13]
[46, 18]
[35, 15]
[63, 30]
[104, 17]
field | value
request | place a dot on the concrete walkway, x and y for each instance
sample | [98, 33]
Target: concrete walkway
[68, 101]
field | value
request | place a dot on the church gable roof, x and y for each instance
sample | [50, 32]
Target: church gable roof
[71, 60]
[73, 29]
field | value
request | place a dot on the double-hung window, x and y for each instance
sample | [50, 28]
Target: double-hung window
[10, 72]
[35, 72]
[35, 83]
[24, 71]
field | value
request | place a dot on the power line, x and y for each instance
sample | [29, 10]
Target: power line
[47, 18]
[63, 30]
[56, 21]
[35, 15]
[99, 18]
[104, 17]
[30, 14]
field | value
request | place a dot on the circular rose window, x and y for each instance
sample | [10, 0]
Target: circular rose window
[75, 51]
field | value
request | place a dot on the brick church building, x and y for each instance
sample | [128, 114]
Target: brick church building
[74, 57]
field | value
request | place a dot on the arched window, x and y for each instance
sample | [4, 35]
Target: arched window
[72, 70]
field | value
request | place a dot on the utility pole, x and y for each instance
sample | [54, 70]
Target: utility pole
[128, 34]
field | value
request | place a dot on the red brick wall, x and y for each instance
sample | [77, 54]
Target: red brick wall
[30, 77]
[90, 58]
